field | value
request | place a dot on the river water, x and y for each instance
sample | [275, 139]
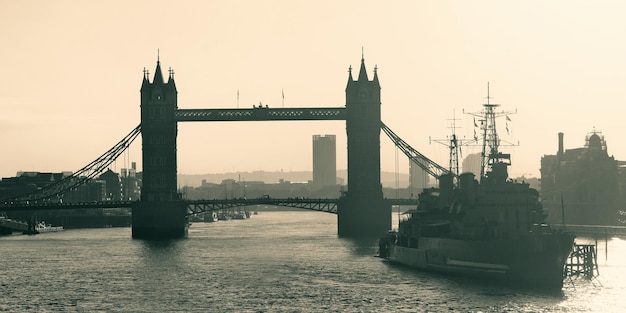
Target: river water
[289, 261]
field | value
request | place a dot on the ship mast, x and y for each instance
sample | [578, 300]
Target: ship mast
[493, 163]
[490, 135]
[454, 146]
[454, 152]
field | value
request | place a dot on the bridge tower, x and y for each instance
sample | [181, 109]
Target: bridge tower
[160, 213]
[362, 210]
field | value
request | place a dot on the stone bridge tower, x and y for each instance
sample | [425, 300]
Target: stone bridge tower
[160, 213]
[362, 210]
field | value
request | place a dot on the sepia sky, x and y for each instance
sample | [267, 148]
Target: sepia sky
[71, 72]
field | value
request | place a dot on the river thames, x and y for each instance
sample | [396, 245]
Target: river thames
[277, 261]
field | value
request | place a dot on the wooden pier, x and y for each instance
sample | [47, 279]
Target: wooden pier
[583, 261]
[595, 232]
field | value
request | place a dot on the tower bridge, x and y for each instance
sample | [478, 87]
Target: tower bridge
[162, 213]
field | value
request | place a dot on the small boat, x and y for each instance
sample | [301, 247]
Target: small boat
[211, 217]
[239, 215]
[223, 216]
[42, 227]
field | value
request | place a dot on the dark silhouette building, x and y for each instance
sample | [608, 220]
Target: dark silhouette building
[105, 188]
[25, 185]
[324, 161]
[113, 185]
[131, 183]
[581, 185]
[27, 182]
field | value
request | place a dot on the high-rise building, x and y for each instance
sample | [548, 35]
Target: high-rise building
[324, 161]
[472, 163]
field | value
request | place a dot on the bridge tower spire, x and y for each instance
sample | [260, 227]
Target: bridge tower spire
[362, 210]
[160, 213]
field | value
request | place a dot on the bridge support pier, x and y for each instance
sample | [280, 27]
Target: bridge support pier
[159, 220]
[360, 217]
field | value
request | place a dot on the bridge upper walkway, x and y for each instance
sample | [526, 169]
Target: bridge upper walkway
[260, 114]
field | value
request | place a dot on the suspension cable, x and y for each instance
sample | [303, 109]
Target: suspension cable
[84, 174]
[422, 161]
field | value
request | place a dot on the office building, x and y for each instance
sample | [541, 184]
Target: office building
[324, 161]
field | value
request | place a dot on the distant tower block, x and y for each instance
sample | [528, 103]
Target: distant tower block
[418, 179]
[362, 210]
[324, 161]
[160, 213]
[472, 163]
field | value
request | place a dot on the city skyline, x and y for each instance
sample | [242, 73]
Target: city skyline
[72, 73]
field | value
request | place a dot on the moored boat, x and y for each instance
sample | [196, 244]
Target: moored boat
[43, 227]
[224, 216]
[240, 215]
[211, 217]
[492, 228]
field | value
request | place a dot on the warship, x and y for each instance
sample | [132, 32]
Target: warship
[489, 227]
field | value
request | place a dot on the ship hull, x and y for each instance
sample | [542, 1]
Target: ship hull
[534, 261]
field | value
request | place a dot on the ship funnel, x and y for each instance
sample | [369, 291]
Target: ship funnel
[466, 180]
[446, 186]
[468, 186]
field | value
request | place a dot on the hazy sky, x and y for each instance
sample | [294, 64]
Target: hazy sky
[71, 73]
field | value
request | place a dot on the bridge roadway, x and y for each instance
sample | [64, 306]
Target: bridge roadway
[328, 205]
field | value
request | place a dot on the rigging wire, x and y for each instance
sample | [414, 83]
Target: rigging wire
[397, 177]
